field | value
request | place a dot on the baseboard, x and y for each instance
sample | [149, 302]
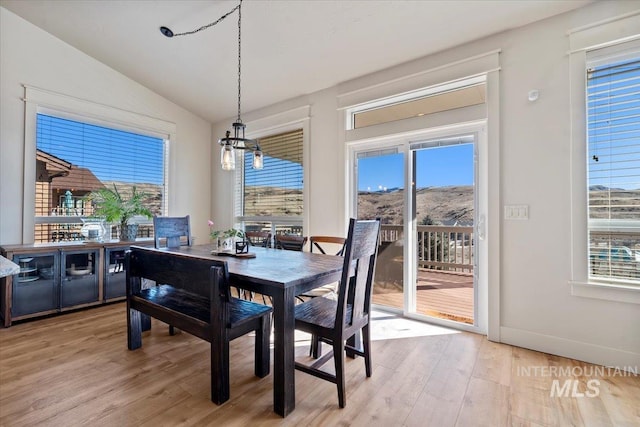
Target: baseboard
[578, 350]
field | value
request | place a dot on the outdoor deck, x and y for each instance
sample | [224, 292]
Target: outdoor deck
[446, 295]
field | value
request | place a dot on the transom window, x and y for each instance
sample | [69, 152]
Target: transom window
[444, 97]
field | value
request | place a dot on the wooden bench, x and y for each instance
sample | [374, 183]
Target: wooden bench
[194, 297]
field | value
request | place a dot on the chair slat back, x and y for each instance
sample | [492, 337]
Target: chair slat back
[317, 241]
[176, 231]
[360, 254]
[258, 238]
[290, 242]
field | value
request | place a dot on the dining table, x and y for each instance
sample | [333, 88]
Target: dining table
[280, 274]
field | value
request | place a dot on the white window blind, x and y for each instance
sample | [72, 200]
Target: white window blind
[277, 189]
[75, 158]
[613, 137]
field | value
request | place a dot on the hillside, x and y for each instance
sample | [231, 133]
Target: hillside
[443, 205]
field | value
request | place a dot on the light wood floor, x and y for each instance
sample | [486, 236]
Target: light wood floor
[75, 369]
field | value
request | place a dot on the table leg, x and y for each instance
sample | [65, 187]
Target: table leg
[284, 391]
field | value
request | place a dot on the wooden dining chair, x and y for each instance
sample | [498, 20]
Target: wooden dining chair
[323, 244]
[170, 232]
[255, 238]
[259, 238]
[290, 242]
[337, 322]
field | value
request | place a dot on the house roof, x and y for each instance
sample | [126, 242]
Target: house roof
[78, 180]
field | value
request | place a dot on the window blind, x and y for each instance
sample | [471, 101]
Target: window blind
[613, 138]
[75, 158]
[276, 190]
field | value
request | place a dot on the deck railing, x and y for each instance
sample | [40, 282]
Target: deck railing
[445, 248]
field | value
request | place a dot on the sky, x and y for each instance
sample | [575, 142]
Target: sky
[435, 167]
[110, 154]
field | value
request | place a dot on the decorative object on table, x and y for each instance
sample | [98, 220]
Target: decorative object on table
[242, 246]
[224, 240]
[93, 229]
[114, 206]
[237, 141]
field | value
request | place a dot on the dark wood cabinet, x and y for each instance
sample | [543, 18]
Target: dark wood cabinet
[58, 277]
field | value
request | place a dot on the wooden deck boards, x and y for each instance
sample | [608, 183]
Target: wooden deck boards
[439, 294]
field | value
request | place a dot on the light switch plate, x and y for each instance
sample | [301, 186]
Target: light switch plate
[516, 212]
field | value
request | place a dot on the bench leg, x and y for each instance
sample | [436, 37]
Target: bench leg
[263, 335]
[219, 371]
[134, 330]
[145, 321]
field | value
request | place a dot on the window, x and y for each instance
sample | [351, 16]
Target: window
[74, 158]
[272, 197]
[443, 97]
[613, 175]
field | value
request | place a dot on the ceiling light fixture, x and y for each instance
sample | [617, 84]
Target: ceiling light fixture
[237, 141]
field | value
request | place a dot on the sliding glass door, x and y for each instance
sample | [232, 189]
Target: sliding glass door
[380, 194]
[425, 192]
[444, 214]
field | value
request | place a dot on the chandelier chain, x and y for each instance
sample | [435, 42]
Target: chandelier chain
[204, 27]
[239, 55]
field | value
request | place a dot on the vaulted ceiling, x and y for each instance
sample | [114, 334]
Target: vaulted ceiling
[289, 47]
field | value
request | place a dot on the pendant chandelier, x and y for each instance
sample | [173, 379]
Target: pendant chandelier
[237, 140]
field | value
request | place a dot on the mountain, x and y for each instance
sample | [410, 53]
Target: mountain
[443, 205]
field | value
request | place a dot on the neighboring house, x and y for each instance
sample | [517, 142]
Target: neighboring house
[60, 191]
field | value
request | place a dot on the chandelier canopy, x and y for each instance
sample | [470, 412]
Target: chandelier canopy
[236, 141]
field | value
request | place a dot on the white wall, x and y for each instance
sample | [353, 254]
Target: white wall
[536, 307]
[31, 56]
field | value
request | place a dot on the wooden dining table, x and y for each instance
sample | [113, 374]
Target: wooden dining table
[282, 275]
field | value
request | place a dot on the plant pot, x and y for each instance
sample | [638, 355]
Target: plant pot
[129, 232]
[228, 244]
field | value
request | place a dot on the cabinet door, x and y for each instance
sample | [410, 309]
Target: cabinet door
[35, 287]
[115, 276]
[79, 278]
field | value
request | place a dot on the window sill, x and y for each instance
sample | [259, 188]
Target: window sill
[609, 292]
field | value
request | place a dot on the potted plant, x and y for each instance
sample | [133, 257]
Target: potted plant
[228, 237]
[116, 207]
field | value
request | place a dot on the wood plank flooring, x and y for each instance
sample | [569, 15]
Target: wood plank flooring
[441, 294]
[75, 370]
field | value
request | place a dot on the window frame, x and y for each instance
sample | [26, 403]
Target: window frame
[612, 32]
[40, 101]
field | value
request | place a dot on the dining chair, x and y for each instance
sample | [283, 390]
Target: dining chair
[172, 231]
[259, 238]
[255, 238]
[290, 242]
[323, 244]
[338, 322]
